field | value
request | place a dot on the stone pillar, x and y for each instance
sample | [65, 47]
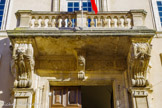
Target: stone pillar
[81, 22]
[23, 18]
[105, 5]
[138, 17]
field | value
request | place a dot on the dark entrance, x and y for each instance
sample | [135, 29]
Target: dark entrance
[81, 97]
[96, 97]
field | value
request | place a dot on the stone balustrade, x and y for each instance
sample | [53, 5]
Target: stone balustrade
[121, 19]
[110, 20]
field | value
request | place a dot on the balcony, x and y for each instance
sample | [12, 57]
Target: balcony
[104, 20]
[58, 40]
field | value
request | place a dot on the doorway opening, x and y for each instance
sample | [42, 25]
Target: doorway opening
[96, 97]
[82, 97]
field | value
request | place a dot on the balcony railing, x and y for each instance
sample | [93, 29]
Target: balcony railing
[116, 19]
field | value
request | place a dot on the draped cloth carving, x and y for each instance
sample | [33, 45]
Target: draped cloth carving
[138, 63]
[22, 65]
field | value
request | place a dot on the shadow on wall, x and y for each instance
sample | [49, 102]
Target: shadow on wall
[6, 77]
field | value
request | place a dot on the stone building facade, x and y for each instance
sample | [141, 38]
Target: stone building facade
[53, 55]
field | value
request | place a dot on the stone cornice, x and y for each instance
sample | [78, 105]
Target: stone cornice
[21, 32]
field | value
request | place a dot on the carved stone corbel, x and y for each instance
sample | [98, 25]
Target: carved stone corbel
[138, 62]
[22, 64]
[81, 62]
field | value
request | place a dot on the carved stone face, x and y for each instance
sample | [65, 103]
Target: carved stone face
[81, 61]
[142, 49]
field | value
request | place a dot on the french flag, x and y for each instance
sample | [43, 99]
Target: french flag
[94, 7]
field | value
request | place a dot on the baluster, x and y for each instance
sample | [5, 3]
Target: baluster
[118, 22]
[53, 21]
[50, 22]
[69, 22]
[112, 22]
[99, 21]
[92, 22]
[130, 23]
[43, 21]
[57, 21]
[60, 20]
[104, 22]
[109, 22]
[36, 23]
[63, 21]
[125, 22]
[122, 21]
[87, 21]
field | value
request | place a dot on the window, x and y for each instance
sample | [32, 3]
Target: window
[87, 6]
[75, 6]
[2, 4]
[159, 4]
[66, 97]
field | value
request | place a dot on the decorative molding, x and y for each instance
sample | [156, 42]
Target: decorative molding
[139, 98]
[140, 93]
[23, 97]
[22, 64]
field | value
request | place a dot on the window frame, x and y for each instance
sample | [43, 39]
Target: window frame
[156, 15]
[5, 15]
[80, 3]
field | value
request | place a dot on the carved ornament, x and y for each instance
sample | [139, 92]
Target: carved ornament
[138, 63]
[22, 64]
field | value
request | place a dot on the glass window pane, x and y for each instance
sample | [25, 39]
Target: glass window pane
[2, 1]
[89, 4]
[89, 10]
[89, 21]
[76, 4]
[1, 6]
[160, 8]
[73, 22]
[160, 13]
[1, 12]
[158, 3]
[161, 19]
[85, 9]
[70, 9]
[1, 18]
[70, 4]
[76, 9]
[84, 4]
